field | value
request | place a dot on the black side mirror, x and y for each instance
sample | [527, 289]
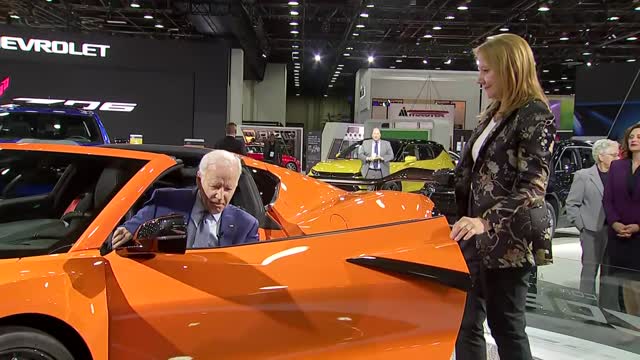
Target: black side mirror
[163, 235]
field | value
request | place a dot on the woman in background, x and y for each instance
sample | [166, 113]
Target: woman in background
[501, 181]
[622, 207]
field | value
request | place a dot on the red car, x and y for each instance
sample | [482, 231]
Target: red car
[256, 151]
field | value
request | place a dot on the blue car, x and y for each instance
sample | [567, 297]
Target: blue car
[58, 124]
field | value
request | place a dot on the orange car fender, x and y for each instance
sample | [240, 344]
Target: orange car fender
[67, 287]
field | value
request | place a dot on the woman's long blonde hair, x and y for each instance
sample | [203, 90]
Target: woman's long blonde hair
[511, 58]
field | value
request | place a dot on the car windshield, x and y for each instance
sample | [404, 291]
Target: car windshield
[352, 151]
[53, 126]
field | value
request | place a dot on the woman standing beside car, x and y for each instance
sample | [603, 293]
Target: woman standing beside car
[622, 207]
[504, 229]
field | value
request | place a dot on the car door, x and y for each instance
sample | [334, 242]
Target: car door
[392, 291]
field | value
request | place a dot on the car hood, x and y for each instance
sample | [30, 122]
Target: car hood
[443, 161]
[340, 166]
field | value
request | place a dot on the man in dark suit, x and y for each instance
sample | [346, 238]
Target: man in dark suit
[212, 221]
[230, 143]
[375, 154]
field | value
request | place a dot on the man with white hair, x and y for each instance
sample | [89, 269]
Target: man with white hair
[211, 220]
[585, 210]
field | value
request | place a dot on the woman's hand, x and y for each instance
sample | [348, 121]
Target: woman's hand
[466, 228]
[618, 227]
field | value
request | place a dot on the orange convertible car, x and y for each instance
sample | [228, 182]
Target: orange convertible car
[337, 275]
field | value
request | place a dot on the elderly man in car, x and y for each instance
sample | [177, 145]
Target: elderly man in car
[211, 220]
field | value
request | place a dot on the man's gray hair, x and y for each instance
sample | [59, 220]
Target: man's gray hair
[220, 156]
[600, 146]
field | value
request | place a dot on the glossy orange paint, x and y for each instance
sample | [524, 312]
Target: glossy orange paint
[297, 296]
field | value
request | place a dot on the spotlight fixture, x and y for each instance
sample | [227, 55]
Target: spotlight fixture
[330, 85]
[264, 55]
[134, 4]
[425, 61]
[370, 59]
[14, 16]
[293, 3]
[448, 62]
[614, 18]
[632, 38]
[586, 53]
[463, 7]
[371, 6]
[159, 26]
[437, 27]
[293, 23]
[631, 60]
[564, 38]
[545, 71]
[295, 32]
[392, 67]
[399, 60]
[364, 15]
[360, 26]
[637, 8]
[450, 17]
[317, 58]
[564, 78]
[297, 94]
[543, 7]
[148, 17]
[346, 54]
[294, 13]
[295, 52]
[295, 46]
[552, 81]
[504, 29]
[349, 48]
[589, 63]
[356, 34]
[568, 87]
[428, 36]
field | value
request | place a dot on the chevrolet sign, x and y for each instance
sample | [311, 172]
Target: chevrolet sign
[52, 47]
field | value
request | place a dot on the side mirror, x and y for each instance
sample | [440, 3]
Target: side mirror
[163, 235]
[410, 159]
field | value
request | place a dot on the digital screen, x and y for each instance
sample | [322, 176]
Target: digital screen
[607, 100]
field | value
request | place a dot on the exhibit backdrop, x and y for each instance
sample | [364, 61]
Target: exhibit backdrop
[607, 99]
[174, 89]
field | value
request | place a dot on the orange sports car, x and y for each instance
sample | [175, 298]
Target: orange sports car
[336, 275]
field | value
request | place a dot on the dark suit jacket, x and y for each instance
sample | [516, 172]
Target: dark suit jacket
[622, 207]
[231, 144]
[506, 186]
[236, 225]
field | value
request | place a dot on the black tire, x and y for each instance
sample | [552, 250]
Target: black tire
[291, 166]
[26, 343]
[394, 186]
[553, 218]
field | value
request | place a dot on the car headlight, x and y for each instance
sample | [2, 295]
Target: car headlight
[313, 173]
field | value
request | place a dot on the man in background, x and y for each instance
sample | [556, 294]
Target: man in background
[230, 143]
[376, 154]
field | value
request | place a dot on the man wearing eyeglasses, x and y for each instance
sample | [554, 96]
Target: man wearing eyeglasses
[585, 210]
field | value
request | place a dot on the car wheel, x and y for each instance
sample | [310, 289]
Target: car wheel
[553, 219]
[24, 343]
[292, 166]
[394, 186]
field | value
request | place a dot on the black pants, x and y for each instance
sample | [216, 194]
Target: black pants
[500, 296]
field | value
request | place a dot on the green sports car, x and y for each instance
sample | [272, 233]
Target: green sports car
[420, 154]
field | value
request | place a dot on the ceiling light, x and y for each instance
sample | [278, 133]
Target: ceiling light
[399, 60]
[293, 3]
[370, 59]
[564, 78]
[340, 65]
[631, 60]
[325, 95]
[438, 68]
[297, 94]
[159, 26]
[450, 17]
[567, 87]
[294, 32]
[14, 16]
[370, 5]
[589, 63]
[552, 81]
[317, 58]
[546, 91]
[614, 18]
[364, 15]
[463, 7]
[333, 80]
[437, 27]
[296, 58]
[392, 67]
[295, 46]
[356, 34]
[297, 66]
[346, 54]
[114, 22]
[264, 55]
[586, 53]
[295, 52]
[149, 17]
[447, 62]
[360, 26]
[293, 23]
[569, 60]
[134, 4]
[637, 8]
[425, 61]
[545, 71]
[294, 13]
[504, 29]
[349, 48]
[330, 85]
[564, 38]
[632, 38]
[543, 7]
[556, 89]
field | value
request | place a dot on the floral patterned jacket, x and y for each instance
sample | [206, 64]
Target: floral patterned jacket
[506, 186]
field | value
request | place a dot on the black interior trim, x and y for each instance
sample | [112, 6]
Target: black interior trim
[451, 278]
